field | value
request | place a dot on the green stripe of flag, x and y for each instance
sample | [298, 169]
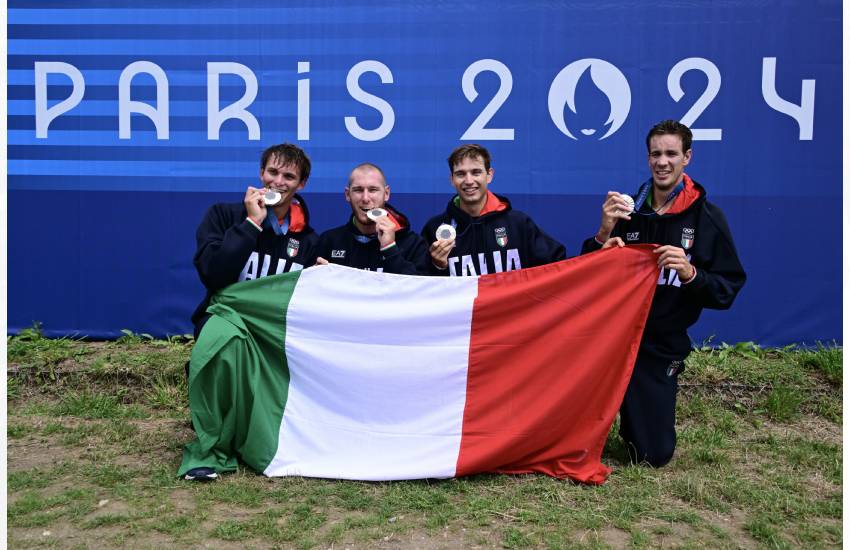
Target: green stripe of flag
[238, 376]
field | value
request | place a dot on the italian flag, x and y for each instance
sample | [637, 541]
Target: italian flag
[334, 372]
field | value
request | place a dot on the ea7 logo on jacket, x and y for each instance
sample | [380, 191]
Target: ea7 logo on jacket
[292, 248]
[252, 269]
[687, 237]
[633, 235]
[502, 236]
[338, 254]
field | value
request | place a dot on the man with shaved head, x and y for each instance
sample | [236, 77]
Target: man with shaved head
[377, 237]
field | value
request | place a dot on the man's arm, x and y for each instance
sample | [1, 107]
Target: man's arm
[614, 209]
[322, 251]
[543, 248]
[225, 243]
[409, 256]
[717, 283]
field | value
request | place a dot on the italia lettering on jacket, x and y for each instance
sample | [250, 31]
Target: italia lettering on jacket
[669, 276]
[250, 271]
[461, 266]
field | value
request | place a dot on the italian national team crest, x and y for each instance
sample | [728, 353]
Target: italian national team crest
[675, 366]
[502, 236]
[292, 248]
[687, 237]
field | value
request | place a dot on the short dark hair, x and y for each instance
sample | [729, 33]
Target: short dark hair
[667, 127]
[370, 166]
[287, 153]
[470, 150]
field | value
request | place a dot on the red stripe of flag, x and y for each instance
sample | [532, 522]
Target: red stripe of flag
[545, 383]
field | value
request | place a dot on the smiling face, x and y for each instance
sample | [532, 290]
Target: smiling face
[667, 161]
[283, 178]
[470, 179]
[366, 190]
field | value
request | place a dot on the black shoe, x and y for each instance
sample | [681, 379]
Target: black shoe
[200, 474]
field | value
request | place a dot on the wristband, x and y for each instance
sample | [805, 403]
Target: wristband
[694, 276]
[255, 224]
[383, 248]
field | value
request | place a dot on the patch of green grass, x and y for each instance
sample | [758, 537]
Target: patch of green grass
[132, 338]
[354, 496]
[746, 363]
[514, 538]
[97, 405]
[29, 479]
[107, 520]
[175, 525]
[783, 403]
[17, 431]
[12, 388]
[108, 474]
[782, 483]
[232, 530]
[35, 356]
[302, 520]
[236, 491]
[810, 456]
[826, 359]
[829, 407]
[34, 510]
[763, 529]
[164, 394]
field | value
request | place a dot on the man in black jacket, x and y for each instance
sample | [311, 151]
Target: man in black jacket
[699, 269]
[384, 243]
[490, 235]
[248, 240]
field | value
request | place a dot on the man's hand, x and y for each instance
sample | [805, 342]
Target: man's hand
[440, 252]
[614, 241]
[255, 205]
[321, 261]
[385, 228]
[673, 257]
[614, 208]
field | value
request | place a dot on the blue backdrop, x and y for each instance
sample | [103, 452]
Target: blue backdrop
[127, 123]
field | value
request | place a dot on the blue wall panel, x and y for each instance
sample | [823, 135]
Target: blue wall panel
[113, 243]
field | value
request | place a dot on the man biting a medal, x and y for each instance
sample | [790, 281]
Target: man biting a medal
[699, 269]
[267, 233]
[377, 237]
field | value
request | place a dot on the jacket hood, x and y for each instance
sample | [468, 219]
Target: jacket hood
[495, 204]
[299, 215]
[691, 193]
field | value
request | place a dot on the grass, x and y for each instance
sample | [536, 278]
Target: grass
[95, 434]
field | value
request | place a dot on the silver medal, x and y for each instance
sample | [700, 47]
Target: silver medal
[629, 201]
[271, 198]
[446, 232]
[376, 213]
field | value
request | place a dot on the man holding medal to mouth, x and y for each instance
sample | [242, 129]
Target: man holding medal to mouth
[699, 269]
[377, 237]
[267, 233]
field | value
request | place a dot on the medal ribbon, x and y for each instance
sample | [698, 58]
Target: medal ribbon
[644, 191]
[279, 228]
